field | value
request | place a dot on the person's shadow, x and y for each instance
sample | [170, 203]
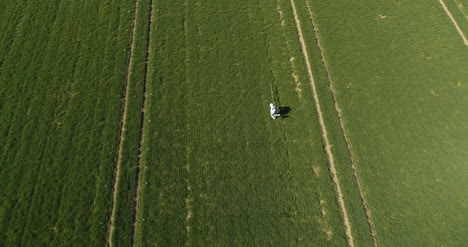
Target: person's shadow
[284, 110]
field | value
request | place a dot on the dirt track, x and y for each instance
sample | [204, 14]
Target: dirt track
[331, 160]
[122, 126]
[340, 117]
[142, 125]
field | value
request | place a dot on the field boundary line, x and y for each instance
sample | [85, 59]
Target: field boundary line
[327, 147]
[142, 126]
[122, 126]
[370, 221]
[449, 14]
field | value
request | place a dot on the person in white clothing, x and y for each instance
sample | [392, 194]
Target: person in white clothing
[274, 111]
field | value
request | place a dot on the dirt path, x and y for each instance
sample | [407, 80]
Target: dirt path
[331, 160]
[142, 125]
[370, 222]
[122, 127]
[447, 11]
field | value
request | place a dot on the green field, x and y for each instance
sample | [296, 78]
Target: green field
[146, 123]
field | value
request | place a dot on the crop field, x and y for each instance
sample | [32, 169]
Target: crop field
[146, 123]
[62, 70]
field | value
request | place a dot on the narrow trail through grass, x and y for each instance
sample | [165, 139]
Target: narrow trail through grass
[142, 123]
[342, 127]
[324, 129]
[122, 127]
[449, 14]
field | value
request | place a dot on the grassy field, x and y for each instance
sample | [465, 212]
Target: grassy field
[146, 123]
[62, 70]
[386, 75]
[458, 10]
[401, 75]
[216, 170]
[121, 226]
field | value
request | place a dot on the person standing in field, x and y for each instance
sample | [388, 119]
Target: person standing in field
[274, 111]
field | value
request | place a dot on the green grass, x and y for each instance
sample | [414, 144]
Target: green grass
[459, 11]
[401, 82]
[62, 73]
[360, 228]
[212, 151]
[215, 169]
[124, 219]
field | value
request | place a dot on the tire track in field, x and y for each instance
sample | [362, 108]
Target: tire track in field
[291, 59]
[327, 147]
[189, 198]
[122, 126]
[449, 14]
[142, 125]
[461, 8]
[370, 222]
